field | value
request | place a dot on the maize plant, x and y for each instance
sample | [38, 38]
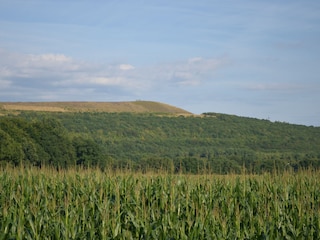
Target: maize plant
[90, 204]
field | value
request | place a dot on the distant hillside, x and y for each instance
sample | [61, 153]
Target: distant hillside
[212, 143]
[134, 106]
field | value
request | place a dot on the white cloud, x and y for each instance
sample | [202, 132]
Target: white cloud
[57, 69]
[36, 66]
[53, 58]
[189, 83]
[184, 75]
[126, 67]
[103, 81]
[49, 62]
[5, 72]
[195, 59]
[192, 71]
[48, 75]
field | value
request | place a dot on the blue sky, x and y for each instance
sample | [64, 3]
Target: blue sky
[249, 58]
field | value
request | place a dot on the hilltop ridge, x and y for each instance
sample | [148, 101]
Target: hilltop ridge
[129, 106]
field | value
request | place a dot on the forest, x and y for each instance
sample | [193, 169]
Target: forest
[210, 143]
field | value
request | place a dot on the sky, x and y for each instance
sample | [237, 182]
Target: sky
[253, 58]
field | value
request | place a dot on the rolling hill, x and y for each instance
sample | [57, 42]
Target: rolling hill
[133, 106]
[144, 135]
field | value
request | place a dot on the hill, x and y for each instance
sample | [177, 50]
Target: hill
[134, 106]
[218, 143]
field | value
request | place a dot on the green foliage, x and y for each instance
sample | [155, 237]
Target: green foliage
[214, 143]
[87, 151]
[10, 151]
[43, 142]
[91, 204]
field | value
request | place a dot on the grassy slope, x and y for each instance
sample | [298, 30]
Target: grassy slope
[135, 106]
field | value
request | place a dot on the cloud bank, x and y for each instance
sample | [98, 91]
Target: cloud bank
[57, 77]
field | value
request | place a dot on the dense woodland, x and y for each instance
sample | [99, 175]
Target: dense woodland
[213, 143]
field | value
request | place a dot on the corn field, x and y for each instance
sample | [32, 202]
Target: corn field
[90, 204]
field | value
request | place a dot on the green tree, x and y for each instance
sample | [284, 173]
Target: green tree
[10, 150]
[88, 153]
